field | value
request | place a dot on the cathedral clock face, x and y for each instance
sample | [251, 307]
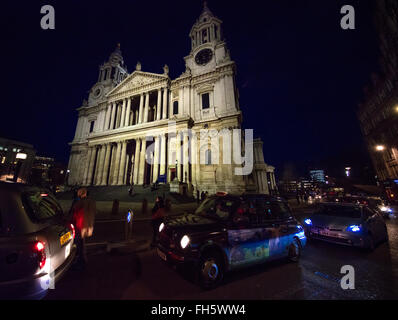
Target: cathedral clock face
[203, 57]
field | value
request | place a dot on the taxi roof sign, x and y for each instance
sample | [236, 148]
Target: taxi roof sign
[221, 193]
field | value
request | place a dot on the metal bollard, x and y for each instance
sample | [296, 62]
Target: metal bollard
[128, 229]
[115, 207]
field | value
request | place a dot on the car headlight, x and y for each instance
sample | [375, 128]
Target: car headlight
[161, 227]
[308, 222]
[184, 241]
[384, 208]
[354, 228]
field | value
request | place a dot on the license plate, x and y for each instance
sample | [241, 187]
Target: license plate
[67, 251]
[162, 255]
[65, 238]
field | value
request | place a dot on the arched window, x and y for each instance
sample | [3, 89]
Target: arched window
[208, 157]
[175, 107]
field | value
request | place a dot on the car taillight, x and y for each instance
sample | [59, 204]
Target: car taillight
[39, 249]
[72, 228]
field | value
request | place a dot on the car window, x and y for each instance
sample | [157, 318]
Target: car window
[41, 205]
[277, 210]
[340, 211]
[260, 210]
[216, 207]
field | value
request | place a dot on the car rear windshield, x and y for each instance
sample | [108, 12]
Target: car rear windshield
[41, 205]
[340, 211]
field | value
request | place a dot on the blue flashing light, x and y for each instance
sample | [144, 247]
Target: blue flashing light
[354, 228]
[129, 216]
[308, 222]
[300, 235]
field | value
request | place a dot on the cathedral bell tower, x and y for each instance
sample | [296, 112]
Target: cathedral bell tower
[208, 49]
[111, 73]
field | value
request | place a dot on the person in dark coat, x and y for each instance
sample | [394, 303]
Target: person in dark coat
[84, 211]
[158, 213]
[298, 198]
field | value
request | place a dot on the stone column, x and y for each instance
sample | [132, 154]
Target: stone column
[156, 160]
[106, 164]
[107, 116]
[127, 120]
[185, 157]
[169, 158]
[122, 120]
[178, 156]
[91, 166]
[111, 125]
[101, 165]
[194, 160]
[163, 155]
[115, 173]
[141, 111]
[122, 164]
[164, 116]
[86, 173]
[273, 181]
[136, 160]
[141, 172]
[265, 181]
[180, 101]
[159, 105]
[146, 109]
[118, 116]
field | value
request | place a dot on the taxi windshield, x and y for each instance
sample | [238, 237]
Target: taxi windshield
[215, 208]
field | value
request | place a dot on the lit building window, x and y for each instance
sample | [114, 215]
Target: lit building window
[205, 101]
[175, 107]
[92, 123]
[208, 157]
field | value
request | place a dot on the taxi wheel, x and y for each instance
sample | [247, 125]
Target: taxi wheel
[210, 270]
[295, 250]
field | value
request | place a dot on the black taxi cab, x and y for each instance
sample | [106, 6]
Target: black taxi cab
[228, 232]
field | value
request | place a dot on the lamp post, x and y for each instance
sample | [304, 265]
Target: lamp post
[177, 170]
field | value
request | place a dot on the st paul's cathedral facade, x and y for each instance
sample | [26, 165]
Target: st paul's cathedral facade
[110, 147]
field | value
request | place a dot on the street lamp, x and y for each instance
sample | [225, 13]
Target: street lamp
[380, 148]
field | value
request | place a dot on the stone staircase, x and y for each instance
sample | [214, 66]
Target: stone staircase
[121, 193]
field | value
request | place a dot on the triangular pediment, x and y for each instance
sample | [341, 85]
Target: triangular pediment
[136, 80]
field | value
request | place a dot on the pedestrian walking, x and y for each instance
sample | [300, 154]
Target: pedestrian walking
[131, 190]
[298, 198]
[84, 211]
[158, 213]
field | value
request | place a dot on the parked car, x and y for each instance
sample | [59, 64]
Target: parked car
[228, 232]
[36, 242]
[348, 224]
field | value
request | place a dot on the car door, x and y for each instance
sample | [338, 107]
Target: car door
[248, 241]
[277, 228]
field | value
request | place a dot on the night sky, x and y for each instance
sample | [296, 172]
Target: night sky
[300, 76]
